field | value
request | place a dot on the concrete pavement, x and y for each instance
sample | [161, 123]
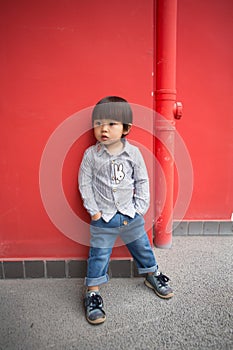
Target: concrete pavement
[47, 314]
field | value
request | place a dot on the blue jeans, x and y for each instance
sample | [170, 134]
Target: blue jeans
[103, 237]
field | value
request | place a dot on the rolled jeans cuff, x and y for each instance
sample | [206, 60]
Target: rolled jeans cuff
[142, 270]
[89, 281]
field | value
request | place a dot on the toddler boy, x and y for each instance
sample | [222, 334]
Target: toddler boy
[114, 186]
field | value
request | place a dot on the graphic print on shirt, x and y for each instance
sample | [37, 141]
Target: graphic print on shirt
[118, 173]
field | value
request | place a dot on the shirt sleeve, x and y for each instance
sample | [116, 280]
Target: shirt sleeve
[141, 185]
[85, 180]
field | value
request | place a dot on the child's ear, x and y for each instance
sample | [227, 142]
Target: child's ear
[125, 132]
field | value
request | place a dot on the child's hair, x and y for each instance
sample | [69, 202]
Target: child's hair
[115, 108]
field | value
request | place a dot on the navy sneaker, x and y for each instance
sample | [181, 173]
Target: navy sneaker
[159, 283]
[93, 303]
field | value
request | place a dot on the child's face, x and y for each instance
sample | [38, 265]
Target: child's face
[108, 131]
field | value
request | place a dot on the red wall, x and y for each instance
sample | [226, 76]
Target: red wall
[58, 57]
[205, 86]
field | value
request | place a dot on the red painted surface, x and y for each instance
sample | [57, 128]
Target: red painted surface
[58, 57]
[205, 86]
[165, 98]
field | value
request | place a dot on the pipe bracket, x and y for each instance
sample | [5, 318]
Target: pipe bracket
[177, 110]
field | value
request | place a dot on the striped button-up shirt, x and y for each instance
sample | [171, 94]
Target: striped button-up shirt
[114, 183]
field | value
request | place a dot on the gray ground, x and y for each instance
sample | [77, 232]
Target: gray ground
[46, 314]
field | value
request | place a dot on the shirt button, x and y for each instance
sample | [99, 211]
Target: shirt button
[125, 222]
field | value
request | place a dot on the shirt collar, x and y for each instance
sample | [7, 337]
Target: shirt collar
[101, 148]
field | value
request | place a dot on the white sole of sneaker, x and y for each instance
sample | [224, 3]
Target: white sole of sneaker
[168, 296]
[98, 321]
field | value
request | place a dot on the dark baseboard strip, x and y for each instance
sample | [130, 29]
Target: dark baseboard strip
[117, 268]
[60, 269]
[202, 228]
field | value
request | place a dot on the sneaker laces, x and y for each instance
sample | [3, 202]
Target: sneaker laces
[162, 279]
[95, 301]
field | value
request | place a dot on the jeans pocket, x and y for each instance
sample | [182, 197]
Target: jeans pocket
[97, 223]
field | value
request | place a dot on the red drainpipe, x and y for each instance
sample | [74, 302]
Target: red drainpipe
[167, 110]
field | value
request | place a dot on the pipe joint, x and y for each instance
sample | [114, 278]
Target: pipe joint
[165, 95]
